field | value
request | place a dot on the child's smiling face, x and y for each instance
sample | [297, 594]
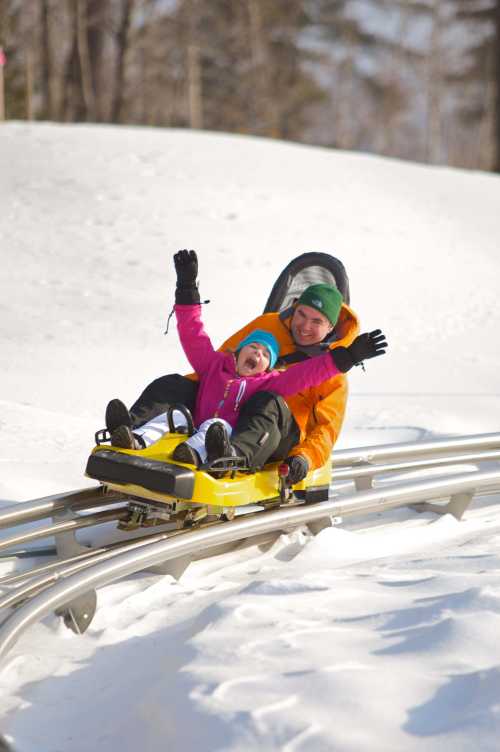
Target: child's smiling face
[252, 359]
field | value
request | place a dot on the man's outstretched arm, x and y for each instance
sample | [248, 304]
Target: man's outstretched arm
[326, 415]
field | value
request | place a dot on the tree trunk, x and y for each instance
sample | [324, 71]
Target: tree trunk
[144, 61]
[29, 66]
[2, 92]
[194, 83]
[258, 57]
[46, 77]
[96, 23]
[84, 59]
[434, 90]
[72, 104]
[194, 87]
[122, 43]
[344, 93]
[497, 77]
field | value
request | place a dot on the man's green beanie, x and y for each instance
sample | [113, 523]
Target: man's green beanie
[325, 299]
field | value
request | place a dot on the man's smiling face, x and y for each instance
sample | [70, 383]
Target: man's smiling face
[309, 326]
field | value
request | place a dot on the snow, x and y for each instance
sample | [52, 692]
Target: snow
[380, 634]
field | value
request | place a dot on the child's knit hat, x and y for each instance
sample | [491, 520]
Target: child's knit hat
[324, 298]
[263, 338]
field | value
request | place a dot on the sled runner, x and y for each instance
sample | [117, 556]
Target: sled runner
[162, 489]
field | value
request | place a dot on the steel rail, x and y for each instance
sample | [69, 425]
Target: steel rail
[40, 577]
[384, 452]
[38, 509]
[63, 568]
[13, 579]
[347, 464]
[359, 462]
[45, 574]
[362, 470]
[76, 523]
[48, 573]
[77, 584]
[60, 565]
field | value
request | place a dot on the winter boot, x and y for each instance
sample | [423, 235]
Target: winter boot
[218, 446]
[123, 438]
[217, 442]
[185, 453]
[117, 415]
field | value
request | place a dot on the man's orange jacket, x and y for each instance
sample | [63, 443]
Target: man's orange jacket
[319, 411]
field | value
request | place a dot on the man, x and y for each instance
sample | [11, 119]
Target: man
[303, 429]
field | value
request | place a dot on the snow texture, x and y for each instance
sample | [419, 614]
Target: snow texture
[379, 635]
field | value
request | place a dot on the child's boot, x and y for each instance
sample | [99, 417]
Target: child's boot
[123, 438]
[183, 452]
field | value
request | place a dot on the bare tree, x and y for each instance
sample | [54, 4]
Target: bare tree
[193, 64]
[497, 80]
[417, 79]
[434, 86]
[97, 30]
[46, 54]
[122, 40]
[83, 50]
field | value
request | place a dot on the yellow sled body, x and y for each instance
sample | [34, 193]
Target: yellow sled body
[151, 474]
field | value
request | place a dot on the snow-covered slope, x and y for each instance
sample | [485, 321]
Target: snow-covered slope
[382, 640]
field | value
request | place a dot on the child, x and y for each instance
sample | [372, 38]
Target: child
[227, 380]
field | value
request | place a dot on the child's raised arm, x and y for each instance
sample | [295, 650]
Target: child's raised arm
[194, 339]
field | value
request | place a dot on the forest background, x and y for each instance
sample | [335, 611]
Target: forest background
[412, 79]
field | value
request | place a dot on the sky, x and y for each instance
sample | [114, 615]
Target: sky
[376, 634]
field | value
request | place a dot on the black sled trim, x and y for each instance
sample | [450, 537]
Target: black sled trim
[162, 477]
[314, 494]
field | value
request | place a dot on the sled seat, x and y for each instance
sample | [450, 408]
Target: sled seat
[307, 269]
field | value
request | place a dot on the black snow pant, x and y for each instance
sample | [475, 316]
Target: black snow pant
[160, 395]
[266, 429]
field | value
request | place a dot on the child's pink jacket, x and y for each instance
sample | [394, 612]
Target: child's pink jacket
[222, 392]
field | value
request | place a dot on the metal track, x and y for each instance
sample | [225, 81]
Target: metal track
[360, 465]
[366, 464]
[417, 449]
[44, 575]
[38, 509]
[459, 491]
[69, 586]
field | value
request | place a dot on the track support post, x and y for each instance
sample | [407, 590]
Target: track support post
[456, 506]
[77, 614]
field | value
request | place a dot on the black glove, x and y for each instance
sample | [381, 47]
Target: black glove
[365, 346]
[299, 467]
[186, 268]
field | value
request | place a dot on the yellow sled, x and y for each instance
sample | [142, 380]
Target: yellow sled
[180, 492]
